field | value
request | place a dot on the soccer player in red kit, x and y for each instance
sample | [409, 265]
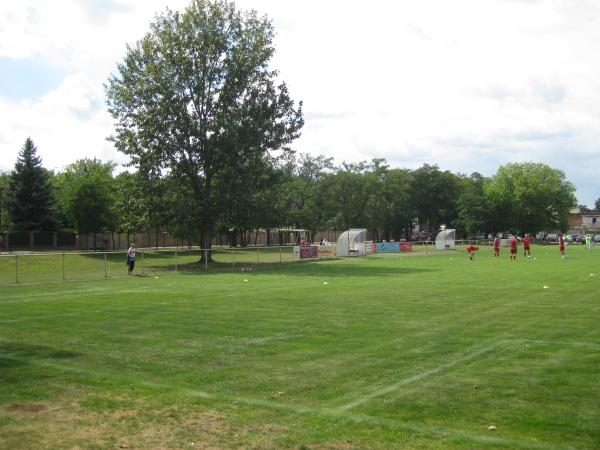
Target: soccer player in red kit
[513, 248]
[526, 249]
[561, 245]
[471, 249]
[496, 246]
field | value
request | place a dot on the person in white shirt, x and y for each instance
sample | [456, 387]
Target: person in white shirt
[131, 259]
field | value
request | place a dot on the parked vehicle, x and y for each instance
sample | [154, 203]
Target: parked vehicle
[552, 237]
[427, 235]
[597, 238]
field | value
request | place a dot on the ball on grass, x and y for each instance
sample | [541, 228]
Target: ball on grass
[491, 428]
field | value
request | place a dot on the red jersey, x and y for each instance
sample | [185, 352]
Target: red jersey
[472, 248]
[526, 242]
[496, 244]
[513, 243]
[561, 242]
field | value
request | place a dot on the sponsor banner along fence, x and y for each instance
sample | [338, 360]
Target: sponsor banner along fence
[391, 247]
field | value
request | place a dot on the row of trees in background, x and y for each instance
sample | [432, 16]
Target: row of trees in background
[208, 126]
[302, 191]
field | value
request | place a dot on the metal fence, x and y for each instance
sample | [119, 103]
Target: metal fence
[26, 268]
[29, 268]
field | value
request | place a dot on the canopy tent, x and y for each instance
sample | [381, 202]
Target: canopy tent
[445, 240]
[351, 242]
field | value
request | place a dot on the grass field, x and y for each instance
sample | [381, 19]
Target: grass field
[389, 351]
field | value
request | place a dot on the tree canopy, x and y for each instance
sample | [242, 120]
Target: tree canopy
[30, 197]
[196, 97]
[86, 195]
[530, 197]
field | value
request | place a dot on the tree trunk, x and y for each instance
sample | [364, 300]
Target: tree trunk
[206, 245]
[233, 234]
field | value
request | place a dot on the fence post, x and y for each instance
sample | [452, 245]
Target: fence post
[63, 267]
[105, 267]
[205, 259]
[233, 257]
[257, 255]
[175, 259]
[142, 263]
[280, 253]
[17, 269]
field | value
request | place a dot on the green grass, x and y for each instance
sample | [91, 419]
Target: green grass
[25, 268]
[393, 352]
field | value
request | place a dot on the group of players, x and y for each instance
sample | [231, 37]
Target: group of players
[471, 249]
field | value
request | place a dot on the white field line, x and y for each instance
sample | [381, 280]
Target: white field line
[400, 424]
[300, 409]
[387, 389]
[559, 343]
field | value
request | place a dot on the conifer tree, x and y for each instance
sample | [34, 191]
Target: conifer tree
[31, 196]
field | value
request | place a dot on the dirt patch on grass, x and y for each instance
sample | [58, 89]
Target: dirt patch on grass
[68, 425]
[342, 445]
[27, 407]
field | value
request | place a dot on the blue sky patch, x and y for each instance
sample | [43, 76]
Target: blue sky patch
[28, 79]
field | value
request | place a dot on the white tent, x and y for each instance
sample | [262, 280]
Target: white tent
[351, 242]
[445, 240]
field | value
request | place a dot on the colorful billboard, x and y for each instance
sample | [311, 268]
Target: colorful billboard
[391, 247]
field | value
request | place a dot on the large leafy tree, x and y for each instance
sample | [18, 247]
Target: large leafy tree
[306, 192]
[353, 193]
[472, 209]
[86, 195]
[597, 204]
[434, 196]
[531, 197]
[30, 197]
[196, 98]
[130, 203]
[399, 212]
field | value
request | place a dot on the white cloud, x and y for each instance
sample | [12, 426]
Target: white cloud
[465, 84]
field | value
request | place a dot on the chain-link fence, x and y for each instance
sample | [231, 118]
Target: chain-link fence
[26, 268]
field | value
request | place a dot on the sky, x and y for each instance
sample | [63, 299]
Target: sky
[468, 85]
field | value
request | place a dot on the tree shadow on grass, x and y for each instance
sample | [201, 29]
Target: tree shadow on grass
[18, 354]
[314, 268]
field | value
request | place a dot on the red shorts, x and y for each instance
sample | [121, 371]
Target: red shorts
[526, 247]
[562, 248]
[513, 250]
